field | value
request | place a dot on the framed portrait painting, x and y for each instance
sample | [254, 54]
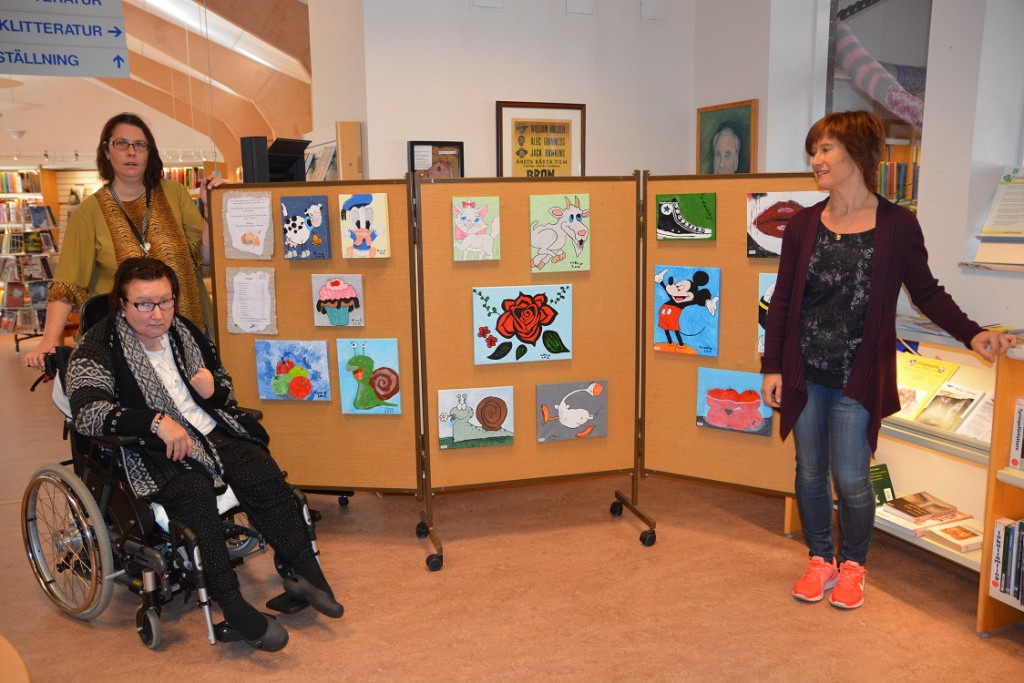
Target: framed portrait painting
[541, 140]
[727, 138]
[435, 159]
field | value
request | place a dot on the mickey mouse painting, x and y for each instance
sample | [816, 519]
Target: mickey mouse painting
[687, 307]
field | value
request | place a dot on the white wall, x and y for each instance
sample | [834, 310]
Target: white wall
[337, 63]
[770, 51]
[972, 128]
[72, 116]
[435, 69]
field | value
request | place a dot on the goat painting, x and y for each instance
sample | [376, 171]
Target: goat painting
[562, 245]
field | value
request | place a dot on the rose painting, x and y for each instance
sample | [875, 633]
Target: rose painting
[522, 324]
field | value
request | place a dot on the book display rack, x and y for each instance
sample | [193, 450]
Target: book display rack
[28, 250]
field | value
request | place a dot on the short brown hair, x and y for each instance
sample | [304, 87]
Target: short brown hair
[154, 165]
[140, 268]
[860, 132]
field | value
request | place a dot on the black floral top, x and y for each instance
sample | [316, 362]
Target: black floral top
[835, 304]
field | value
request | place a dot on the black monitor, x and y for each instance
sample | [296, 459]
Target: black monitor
[281, 162]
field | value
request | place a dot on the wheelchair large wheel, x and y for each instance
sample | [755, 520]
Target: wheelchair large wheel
[67, 542]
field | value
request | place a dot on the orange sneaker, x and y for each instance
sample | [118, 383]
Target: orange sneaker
[820, 576]
[849, 591]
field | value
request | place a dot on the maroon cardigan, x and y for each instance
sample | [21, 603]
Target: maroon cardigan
[900, 258]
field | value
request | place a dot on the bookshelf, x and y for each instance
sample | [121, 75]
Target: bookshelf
[1005, 492]
[899, 170]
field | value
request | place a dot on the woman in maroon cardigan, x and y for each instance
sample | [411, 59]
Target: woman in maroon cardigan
[830, 345]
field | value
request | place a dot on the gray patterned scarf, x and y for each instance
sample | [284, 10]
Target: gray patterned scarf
[188, 359]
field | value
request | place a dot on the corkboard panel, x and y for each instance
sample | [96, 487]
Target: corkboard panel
[673, 443]
[318, 445]
[604, 329]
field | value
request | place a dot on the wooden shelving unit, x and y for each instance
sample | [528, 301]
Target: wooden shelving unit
[1005, 492]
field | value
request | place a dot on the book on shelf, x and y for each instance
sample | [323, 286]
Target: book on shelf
[53, 219]
[917, 380]
[37, 293]
[881, 482]
[918, 529]
[15, 295]
[32, 268]
[978, 423]
[1009, 550]
[33, 243]
[8, 319]
[1017, 562]
[46, 239]
[1017, 437]
[40, 319]
[13, 243]
[918, 507]
[9, 269]
[998, 539]
[963, 536]
[948, 406]
[37, 214]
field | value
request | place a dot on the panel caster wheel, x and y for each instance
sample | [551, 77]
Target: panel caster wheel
[616, 509]
[435, 562]
[648, 537]
[421, 530]
[147, 623]
[315, 516]
[343, 501]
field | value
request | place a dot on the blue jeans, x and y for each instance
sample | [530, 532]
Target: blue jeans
[832, 435]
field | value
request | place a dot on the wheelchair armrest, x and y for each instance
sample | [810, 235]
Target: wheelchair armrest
[253, 412]
[113, 441]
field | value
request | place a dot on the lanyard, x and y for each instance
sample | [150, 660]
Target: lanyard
[139, 235]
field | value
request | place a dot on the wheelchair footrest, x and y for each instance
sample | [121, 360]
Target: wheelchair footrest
[286, 604]
[225, 633]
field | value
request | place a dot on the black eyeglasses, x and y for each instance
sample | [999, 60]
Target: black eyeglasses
[148, 306]
[122, 145]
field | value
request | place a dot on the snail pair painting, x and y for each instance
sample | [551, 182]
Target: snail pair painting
[297, 370]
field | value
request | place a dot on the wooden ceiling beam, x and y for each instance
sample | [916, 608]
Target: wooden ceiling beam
[285, 102]
[281, 23]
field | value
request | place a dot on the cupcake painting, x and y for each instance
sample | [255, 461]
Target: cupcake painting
[338, 300]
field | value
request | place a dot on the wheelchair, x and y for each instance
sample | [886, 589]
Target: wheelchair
[85, 530]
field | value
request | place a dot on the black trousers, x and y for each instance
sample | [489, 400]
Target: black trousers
[267, 500]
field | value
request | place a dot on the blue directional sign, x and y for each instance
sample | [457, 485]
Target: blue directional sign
[63, 38]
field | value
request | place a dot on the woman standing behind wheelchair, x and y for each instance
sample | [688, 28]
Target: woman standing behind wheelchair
[144, 371]
[135, 214]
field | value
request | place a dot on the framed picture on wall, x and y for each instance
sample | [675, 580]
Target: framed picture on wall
[436, 159]
[727, 138]
[541, 140]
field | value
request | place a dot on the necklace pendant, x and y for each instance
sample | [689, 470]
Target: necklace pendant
[838, 237]
[145, 248]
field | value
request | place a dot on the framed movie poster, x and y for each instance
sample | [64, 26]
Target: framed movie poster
[727, 138]
[541, 140]
[435, 159]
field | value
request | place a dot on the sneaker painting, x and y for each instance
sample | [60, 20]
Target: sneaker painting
[686, 216]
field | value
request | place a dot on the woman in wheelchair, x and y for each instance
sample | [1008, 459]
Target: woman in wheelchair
[146, 372]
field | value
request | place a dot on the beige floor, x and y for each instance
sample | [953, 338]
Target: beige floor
[540, 583]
